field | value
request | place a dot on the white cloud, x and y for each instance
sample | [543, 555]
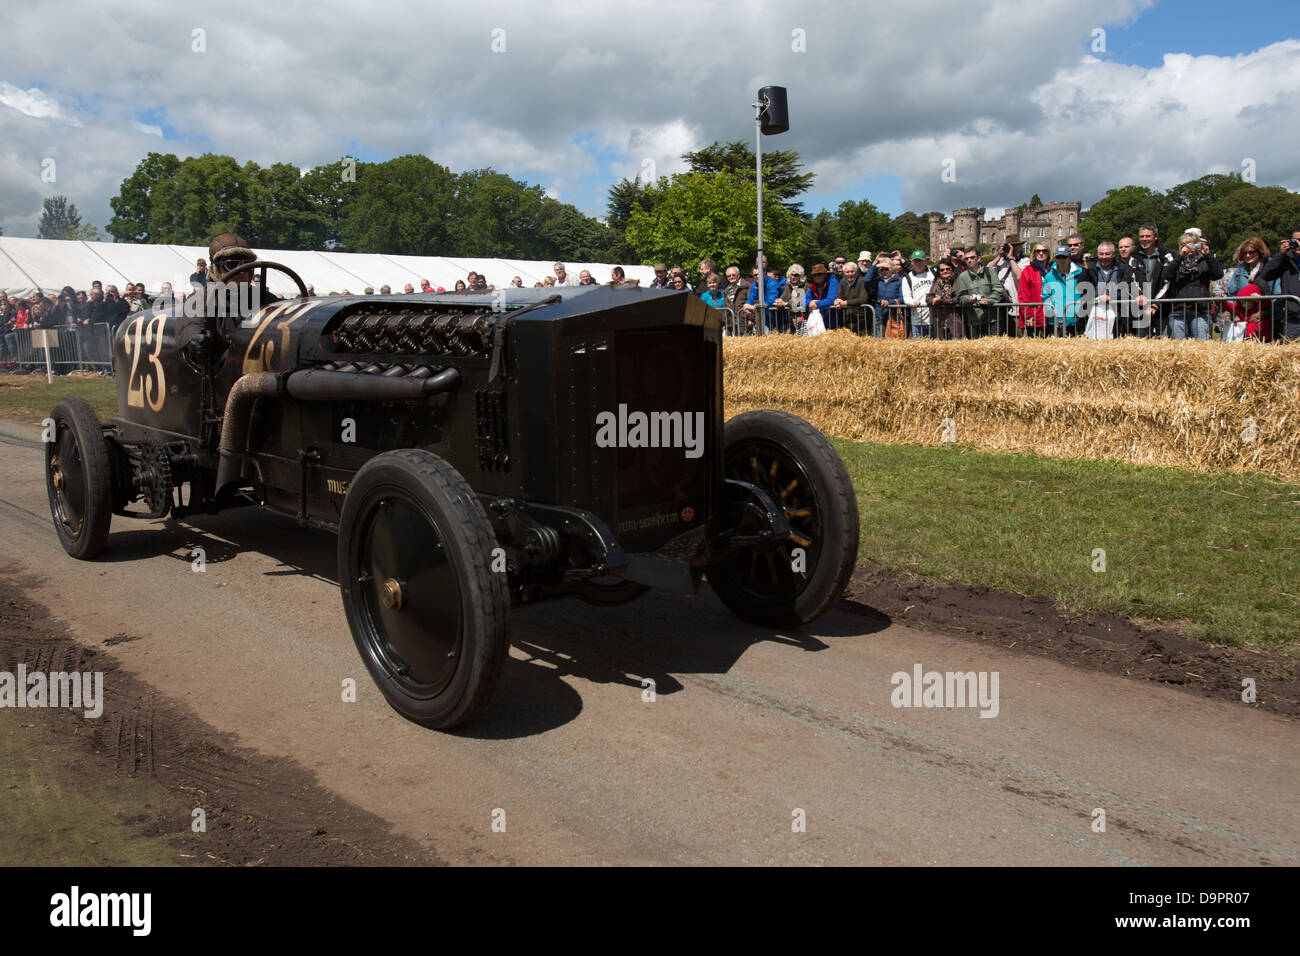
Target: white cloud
[1098, 125]
[34, 103]
[586, 93]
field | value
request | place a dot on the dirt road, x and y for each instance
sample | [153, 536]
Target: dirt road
[748, 733]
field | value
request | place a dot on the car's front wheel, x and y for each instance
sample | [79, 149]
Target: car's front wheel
[427, 612]
[78, 478]
[800, 577]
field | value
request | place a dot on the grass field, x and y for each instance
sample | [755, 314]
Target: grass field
[27, 398]
[52, 816]
[1217, 554]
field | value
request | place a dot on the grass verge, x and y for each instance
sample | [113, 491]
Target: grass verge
[27, 398]
[51, 816]
[1214, 554]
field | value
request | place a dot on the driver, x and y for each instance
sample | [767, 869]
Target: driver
[228, 252]
[224, 303]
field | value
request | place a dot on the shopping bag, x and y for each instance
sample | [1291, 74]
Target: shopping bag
[813, 325]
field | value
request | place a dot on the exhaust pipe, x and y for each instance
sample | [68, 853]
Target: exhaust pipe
[312, 385]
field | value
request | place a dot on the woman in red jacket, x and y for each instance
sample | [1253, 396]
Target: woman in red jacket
[1030, 289]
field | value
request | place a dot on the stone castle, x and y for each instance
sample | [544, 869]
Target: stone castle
[1050, 222]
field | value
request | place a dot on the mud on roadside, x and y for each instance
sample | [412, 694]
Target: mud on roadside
[259, 810]
[1103, 642]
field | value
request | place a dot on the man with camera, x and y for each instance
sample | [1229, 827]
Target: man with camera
[1188, 276]
[978, 292]
[1006, 266]
[1284, 266]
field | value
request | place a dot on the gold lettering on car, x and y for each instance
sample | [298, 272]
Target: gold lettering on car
[269, 355]
[651, 521]
[337, 487]
[150, 329]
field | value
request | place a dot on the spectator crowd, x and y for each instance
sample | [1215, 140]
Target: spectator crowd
[1121, 288]
[88, 319]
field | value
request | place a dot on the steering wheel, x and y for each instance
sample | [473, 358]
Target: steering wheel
[264, 265]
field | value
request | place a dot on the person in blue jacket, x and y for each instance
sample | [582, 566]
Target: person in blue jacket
[1061, 294]
[772, 283]
[823, 290]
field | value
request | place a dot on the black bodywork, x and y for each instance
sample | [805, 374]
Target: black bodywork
[282, 408]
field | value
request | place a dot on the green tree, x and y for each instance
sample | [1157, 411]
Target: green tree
[497, 216]
[862, 226]
[820, 239]
[1189, 199]
[783, 174]
[132, 206]
[698, 215]
[1122, 210]
[206, 195]
[404, 206]
[59, 220]
[909, 231]
[279, 215]
[568, 234]
[324, 191]
[1269, 212]
[624, 195]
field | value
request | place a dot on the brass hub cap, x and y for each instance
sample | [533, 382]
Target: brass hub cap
[391, 594]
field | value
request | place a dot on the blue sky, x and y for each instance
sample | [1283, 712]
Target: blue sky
[1199, 27]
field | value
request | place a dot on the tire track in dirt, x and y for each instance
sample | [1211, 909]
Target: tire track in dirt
[258, 810]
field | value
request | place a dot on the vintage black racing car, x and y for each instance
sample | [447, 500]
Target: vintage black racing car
[470, 451]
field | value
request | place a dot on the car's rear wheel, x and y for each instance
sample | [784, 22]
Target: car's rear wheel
[427, 612]
[800, 578]
[79, 479]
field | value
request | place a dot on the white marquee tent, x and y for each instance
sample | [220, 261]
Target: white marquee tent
[50, 264]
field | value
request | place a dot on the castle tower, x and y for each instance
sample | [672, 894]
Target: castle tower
[1062, 219]
[936, 222]
[966, 225]
[1012, 222]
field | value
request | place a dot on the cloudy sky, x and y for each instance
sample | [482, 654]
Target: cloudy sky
[1064, 99]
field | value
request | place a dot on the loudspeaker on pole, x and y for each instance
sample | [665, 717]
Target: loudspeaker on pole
[775, 115]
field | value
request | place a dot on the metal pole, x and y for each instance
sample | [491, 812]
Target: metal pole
[758, 180]
[45, 343]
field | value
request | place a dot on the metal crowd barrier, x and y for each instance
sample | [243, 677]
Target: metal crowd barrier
[1202, 317]
[88, 347]
[861, 320]
[1194, 317]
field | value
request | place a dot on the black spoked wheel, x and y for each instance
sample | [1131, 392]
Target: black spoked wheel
[803, 576]
[427, 613]
[79, 479]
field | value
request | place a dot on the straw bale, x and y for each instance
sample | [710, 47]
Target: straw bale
[1201, 405]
